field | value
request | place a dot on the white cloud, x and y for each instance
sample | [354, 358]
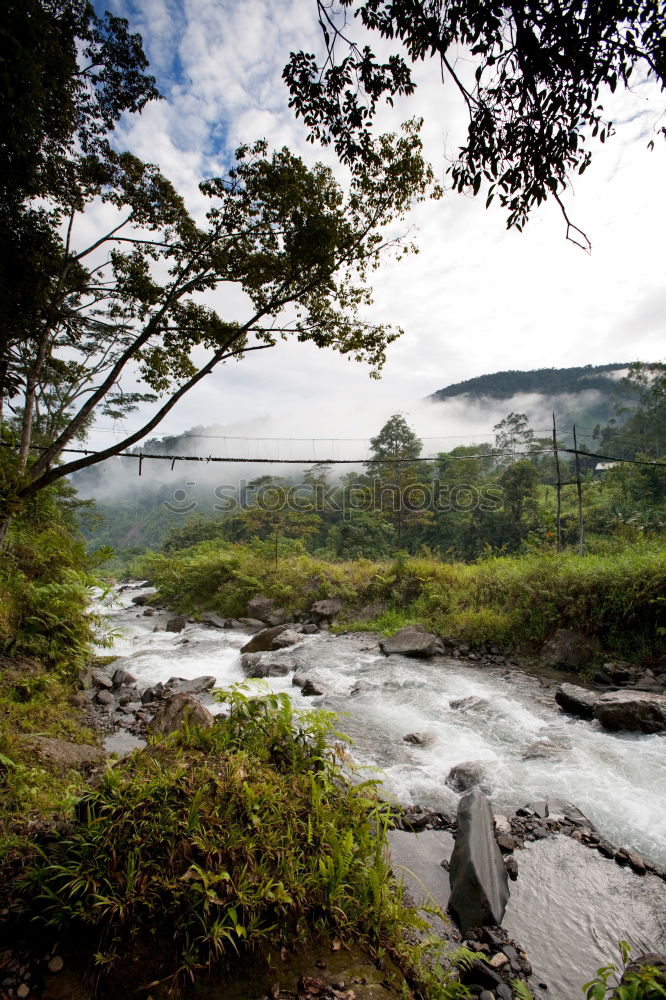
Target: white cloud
[476, 299]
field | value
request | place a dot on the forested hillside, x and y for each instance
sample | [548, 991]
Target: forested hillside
[490, 497]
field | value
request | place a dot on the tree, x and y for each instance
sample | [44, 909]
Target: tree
[513, 432]
[532, 78]
[131, 303]
[67, 76]
[394, 470]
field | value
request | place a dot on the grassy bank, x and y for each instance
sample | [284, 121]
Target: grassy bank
[513, 602]
[242, 837]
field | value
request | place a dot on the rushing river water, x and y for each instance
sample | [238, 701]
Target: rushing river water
[569, 906]
[533, 750]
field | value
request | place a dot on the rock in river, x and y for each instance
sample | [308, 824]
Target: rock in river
[468, 774]
[636, 711]
[263, 641]
[576, 700]
[412, 640]
[479, 881]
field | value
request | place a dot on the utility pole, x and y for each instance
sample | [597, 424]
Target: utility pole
[579, 487]
[559, 488]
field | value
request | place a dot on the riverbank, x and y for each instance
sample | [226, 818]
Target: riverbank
[512, 603]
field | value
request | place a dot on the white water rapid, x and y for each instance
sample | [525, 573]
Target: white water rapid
[569, 907]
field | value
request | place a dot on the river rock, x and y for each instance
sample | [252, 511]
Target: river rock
[560, 809]
[214, 621]
[104, 697]
[469, 703]
[479, 881]
[251, 623]
[100, 679]
[576, 700]
[261, 608]
[265, 610]
[653, 958]
[636, 711]
[63, 754]
[141, 599]
[361, 687]
[570, 650]
[412, 640]
[311, 689]
[255, 665]
[327, 609]
[195, 685]
[287, 638]
[176, 624]
[420, 739]
[262, 642]
[310, 628]
[545, 750]
[179, 710]
[468, 774]
[121, 678]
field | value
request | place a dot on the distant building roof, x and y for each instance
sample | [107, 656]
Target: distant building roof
[605, 466]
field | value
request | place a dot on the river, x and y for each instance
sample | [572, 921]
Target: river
[510, 721]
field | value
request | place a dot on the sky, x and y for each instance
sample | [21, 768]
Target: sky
[476, 299]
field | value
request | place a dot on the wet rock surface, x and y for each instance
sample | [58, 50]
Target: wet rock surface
[577, 700]
[635, 711]
[479, 882]
[177, 711]
[413, 640]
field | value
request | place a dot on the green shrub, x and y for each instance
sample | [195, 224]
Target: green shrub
[223, 839]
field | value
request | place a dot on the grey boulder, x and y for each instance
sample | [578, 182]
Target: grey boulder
[328, 608]
[177, 711]
[576, 700]
[570, 650]
[264, 610]
[634, 711]
[412, 640]
[468, 774]
[195, 685]
[176, 624]
[478, 877]
[263, 641]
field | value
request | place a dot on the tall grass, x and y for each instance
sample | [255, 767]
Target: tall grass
[514, 602]
[244, 835]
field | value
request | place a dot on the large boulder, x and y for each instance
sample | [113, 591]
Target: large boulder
[412, 640]
[63, 755]
[194, 685]
[256, 665]
[478, 877]
[635, 711]
[570, 650]
[468, 774]
[176, 624]
[326, 609]
[263, 641]
[213, 620]
[177, 711]
[287, 638]
[264, 609]
[576, 700]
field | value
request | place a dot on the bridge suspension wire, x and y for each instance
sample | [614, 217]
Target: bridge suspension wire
[205, 459]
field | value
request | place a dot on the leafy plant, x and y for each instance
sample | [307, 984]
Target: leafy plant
[636, 982]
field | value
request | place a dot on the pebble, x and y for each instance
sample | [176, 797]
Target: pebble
[23, 991]
[56, 964]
